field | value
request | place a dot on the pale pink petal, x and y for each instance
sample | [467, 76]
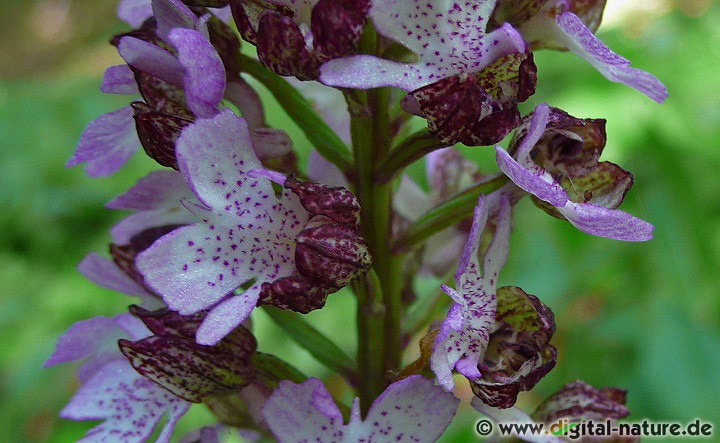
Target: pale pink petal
[107, 143]
[464, 334]
[152, 60]
[409, 410]
[106, 274]
[609, 223]
[204, 79]
[119, 80]
[134, 12]
[322, 171]
[303, 412]
[130, 405]
[580, 40]
[227, 316]
[410, 201]
[171, 14]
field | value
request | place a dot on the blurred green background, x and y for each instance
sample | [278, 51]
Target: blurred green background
[645, 317]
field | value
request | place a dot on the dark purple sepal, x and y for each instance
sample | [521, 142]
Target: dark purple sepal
[246, 14]
[605, 186]
[124, 255]
[162, 96]
[336, 26]
[295, 294]
[158, 133]
[167, 322]
[519, 353]
[174, 360]
[336, 203]
[477, 109]
[240, 342]
[580, 401]
[332, 254]
[281, 47]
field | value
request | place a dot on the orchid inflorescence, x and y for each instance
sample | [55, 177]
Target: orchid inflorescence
[232, 223]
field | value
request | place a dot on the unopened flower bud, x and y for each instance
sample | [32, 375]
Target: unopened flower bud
[332, 254]
[173, 359]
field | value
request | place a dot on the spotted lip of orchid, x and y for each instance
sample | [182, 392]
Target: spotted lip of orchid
[193, 372]
[294, 37]
[592, 212]
[467, 82]
[410, 410]
[465, 333]
[519, 352]
[248, 236]
[131, 405]
[569, 25]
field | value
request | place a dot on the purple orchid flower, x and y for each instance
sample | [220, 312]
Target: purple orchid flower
[448, 37]
[569, 25]
[130, 404]
[465, 333]
[295, 249]
[409, 410]
[110, 140]
[576, 401]
[294, 37]
[178, 87]
[590, 218]
[466, 83]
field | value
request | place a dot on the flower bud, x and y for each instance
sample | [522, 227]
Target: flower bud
[332, 254]
[173, 359]
[294, 293]
[158, 133]
[477, 109]
[297, 38]
[336, 203]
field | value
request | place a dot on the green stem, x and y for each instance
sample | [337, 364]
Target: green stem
[370, 324]
[370, 128]
[324, 139]
[452, 211]
[408, 151]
